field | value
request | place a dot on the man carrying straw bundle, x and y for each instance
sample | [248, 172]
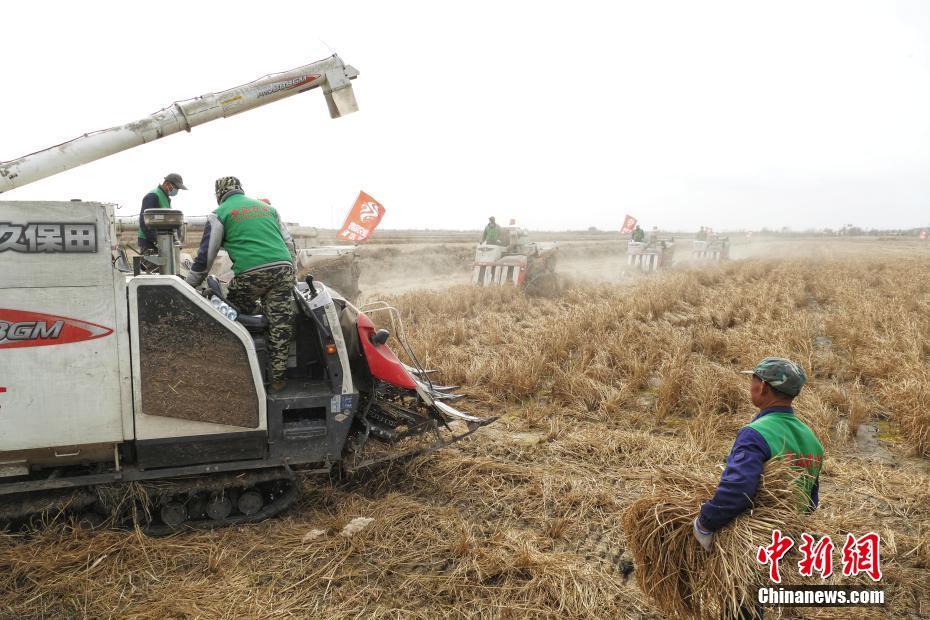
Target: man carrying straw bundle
[774, 433]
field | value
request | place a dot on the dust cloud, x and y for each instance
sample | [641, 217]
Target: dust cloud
[395, 268]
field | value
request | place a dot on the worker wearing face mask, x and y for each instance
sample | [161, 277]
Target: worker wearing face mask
[158, 198]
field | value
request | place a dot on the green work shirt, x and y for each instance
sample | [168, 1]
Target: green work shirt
[791, 439]
[491, 232]
[163, 203]
[251, 233]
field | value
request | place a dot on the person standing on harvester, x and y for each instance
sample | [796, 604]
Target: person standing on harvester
[158, 198]
[262, 252]
[491, 232]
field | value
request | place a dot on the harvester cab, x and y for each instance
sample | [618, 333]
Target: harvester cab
[514, 260]
[134, 392]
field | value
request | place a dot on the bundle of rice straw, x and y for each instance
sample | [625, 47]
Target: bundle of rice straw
[675, 572]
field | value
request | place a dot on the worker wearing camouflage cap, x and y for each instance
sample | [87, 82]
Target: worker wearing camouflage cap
[775, 432]
[262, 252]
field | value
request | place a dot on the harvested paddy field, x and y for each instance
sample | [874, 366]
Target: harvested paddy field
[602, 391]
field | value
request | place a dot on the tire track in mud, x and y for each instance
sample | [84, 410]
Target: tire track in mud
[866, 435]
[601, 547]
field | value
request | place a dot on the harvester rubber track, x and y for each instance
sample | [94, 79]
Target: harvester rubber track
[24, 506]
[167, 506]
[211, 502]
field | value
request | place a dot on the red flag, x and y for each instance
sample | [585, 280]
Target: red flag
[629, 223]
[513, 222]
[923, 235]
[362, 220]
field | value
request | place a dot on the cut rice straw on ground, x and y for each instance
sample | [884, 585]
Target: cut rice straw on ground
[522, 519]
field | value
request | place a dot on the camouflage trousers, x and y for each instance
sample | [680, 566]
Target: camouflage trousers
[273, 289]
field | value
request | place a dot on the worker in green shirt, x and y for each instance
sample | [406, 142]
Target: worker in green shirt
[263, 253]
[158, 198]
[491, 232]
[774, 433]
[638, 234]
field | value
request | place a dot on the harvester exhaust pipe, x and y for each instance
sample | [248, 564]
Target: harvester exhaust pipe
[331, 74]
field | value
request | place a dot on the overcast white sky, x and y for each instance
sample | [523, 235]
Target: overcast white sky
[561, 115]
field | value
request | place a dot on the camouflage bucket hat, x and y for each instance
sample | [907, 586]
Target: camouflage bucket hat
[780, 373]
[224, 185]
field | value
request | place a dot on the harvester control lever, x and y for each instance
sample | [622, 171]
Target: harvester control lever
[213, 285]
[309, 281]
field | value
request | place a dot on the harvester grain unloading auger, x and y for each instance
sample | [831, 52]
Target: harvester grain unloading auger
[138, 397]
[330, 75]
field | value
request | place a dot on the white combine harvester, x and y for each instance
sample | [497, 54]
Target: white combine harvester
[515, 261]
[651, 256]
[715, 248]
[110, 377]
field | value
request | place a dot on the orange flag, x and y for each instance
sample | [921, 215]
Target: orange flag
[629, 223]
[362, 219]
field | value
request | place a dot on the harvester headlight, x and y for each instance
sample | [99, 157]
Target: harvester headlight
[224, 308]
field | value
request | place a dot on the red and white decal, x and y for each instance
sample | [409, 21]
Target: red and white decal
[23, 328]
[290, 84]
